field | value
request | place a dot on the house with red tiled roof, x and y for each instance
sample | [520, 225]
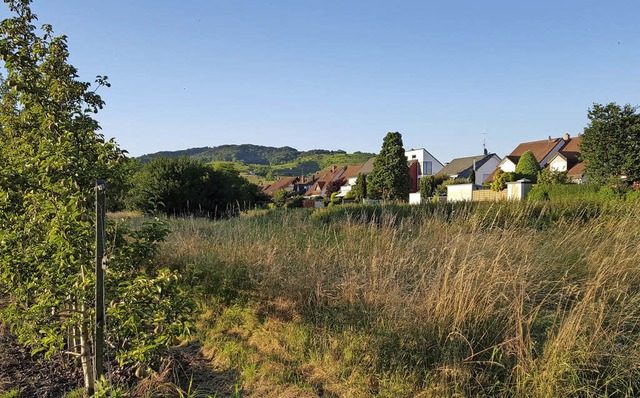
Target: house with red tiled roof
[568, 159]
[287, 184]
[320, 186]
[543, 151]
[351, 175]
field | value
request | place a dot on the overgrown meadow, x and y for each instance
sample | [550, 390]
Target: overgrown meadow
[511, 299]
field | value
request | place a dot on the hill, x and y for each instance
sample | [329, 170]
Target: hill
[268, 162]
[246, 153]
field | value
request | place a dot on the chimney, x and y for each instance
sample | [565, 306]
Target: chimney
[566, 136]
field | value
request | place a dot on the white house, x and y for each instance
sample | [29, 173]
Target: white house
[421, 163]
[483, 165]
[427, 163]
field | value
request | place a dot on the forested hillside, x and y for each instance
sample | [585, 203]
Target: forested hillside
[245, 153]
[267, 162]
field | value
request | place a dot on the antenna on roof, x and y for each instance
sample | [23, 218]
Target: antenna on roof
[484, 143]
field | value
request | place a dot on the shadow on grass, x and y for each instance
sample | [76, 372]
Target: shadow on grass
[196, 375]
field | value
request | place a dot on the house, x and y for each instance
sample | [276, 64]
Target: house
[421, 163]
[351, 175]
[287, 184]
[543, 151]
[483, 165]
[568, 159]
[320, 185]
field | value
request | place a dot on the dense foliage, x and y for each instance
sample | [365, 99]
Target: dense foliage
[550, 177]
[247, 153]
[429, 185]
[390, 178]
[500, 180]
[359, 189]
[263, 158]
[181, 186]
[580, 193]
[50, 158]
[528, 167]
[610, 145]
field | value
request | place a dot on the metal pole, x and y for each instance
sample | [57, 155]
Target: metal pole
[100, 238]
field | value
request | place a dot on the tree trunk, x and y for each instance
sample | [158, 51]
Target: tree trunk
[86, 356]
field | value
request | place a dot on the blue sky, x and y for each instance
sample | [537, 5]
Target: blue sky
[341, 74]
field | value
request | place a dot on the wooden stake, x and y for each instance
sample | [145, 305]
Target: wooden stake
[100, 238]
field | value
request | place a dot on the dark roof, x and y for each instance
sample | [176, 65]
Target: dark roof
[367, 167]
[462, 166]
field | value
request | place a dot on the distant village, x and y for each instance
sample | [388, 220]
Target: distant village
[560, 154]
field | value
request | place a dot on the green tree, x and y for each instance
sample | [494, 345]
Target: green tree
[359, 189]
[121, 183]
[390, 179]
[279, 197]
[528, 166]
[50, 158]
[610, 145]
[429, 185]
[472, 176]
[180, 186]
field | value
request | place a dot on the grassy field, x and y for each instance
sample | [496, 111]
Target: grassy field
[485, 300]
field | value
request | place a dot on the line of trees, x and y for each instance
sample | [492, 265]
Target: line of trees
[184, 186]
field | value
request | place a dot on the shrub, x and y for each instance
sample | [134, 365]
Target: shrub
[528, 166]
[181, 186]
[429, 185]
[501, 179]
[279, 198]
[570, 193]
[549, 177]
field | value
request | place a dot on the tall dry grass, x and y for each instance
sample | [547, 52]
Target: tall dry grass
[468, 300]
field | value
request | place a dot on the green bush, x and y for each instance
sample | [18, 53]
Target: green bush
[580, 193]
[184, 186]
[528, 166]
[549, 177]
[501, 179]
[429, 185]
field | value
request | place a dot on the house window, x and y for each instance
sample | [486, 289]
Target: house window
[427, 168]
[413, 156]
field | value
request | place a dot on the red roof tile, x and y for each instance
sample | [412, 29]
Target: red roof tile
[282, 183]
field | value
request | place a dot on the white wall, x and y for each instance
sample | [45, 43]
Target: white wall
[558, 164]
[459, 192]
[508, 166]
[518, 190]
[423, 157]
[487, 168]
